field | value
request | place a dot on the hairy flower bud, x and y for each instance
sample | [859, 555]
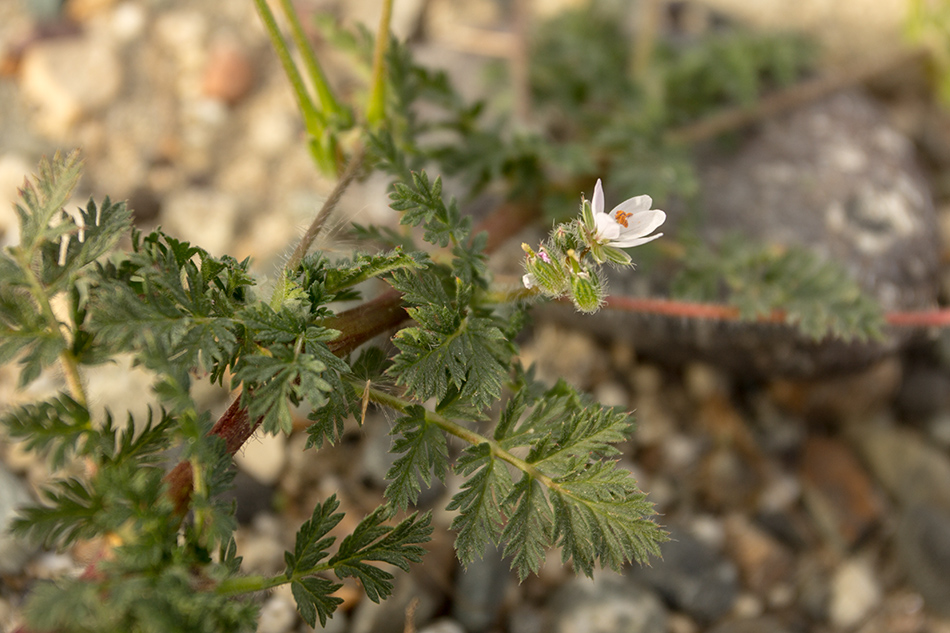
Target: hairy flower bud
[587, 292]
[545, 271]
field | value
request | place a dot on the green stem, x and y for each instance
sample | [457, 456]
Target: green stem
[249, 584]
[314, 120]
[398, 404]
[376, 109]
[66, 358]
[328, 102]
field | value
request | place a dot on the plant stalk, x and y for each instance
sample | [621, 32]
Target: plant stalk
[376, 108]
[328, 101]
[352, 169]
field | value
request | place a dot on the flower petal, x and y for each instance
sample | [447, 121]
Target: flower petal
[634, 205]
[643, 223]
[634, 241]
[597, 203]
[607, 228]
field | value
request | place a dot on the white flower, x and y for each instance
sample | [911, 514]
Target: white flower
[529, 281]
[628, 224]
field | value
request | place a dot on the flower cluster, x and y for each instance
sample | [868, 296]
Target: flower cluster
[568, 263]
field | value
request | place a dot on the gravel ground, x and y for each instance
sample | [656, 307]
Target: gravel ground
[807, 505]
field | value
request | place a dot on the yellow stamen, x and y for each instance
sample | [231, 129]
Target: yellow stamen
[621, 217]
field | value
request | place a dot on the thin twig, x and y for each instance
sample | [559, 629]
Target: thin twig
[939, 317]
[318, 222]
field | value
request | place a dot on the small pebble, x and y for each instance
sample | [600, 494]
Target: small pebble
[228, 74]
[263, 457]
[278, 615]
[128, 21]
[855, 592]
[15, 550]
[443, 625]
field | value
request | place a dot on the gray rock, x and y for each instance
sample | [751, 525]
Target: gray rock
[910, 469]
[389, 616]
[834, 177]
[250, 497]
[923, 393]
[14, 550]
[606, 605]
[524, 618]
[480, 591]
[923, 546]
[692, 577]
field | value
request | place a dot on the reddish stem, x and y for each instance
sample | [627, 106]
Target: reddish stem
[358, 325]
[670, 307]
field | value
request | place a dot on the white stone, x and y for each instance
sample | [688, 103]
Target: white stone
[854, 593]
[14, 550]
[278, 615]
[272, 131]
[202, 217]
[128, 21]
[263, 457]
[443, 625]
[14, 170]
[122, 388]
[612, 394]
[67, 79]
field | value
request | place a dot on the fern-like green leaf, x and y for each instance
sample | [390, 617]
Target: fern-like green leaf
[424, 452]
[528, 532]
[372, 541]
[449, 348]
[58, 427]
[273, 382]
[480, 520]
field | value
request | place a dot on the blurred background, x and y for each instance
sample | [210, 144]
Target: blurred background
[806, 483]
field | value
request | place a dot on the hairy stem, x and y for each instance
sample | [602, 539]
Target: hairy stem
[719, 312]
[358, 325]
[318, 222]
[238, 585]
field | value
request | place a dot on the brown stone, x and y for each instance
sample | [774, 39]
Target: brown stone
[228, 75]
[762, 560]
[838, 492]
